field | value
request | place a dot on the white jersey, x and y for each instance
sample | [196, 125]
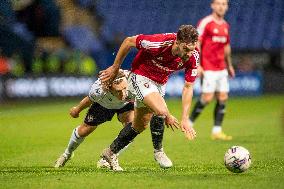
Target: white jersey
[105, 99]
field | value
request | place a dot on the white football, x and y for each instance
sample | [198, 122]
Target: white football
[237, 159]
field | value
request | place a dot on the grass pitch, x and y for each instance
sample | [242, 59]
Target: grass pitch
[34, 134]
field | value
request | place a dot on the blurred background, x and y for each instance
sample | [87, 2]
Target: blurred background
[55, 48]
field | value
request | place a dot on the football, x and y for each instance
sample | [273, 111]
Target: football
[237, 159]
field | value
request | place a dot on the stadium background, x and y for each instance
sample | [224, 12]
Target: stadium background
[53, 49]
[56, 48]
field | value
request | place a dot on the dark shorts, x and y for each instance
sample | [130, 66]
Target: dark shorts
[98, 114]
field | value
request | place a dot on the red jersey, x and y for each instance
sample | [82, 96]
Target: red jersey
[155, 60]
[214, 36]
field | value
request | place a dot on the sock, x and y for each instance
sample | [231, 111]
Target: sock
[219, 113]
[216, 129]
[157, 131]
[74, 142]
[123, 149]
[197, 110]
[126, 135]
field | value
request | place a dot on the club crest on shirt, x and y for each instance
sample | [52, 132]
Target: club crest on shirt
[147, 85]
[180, 64]
[215, 30]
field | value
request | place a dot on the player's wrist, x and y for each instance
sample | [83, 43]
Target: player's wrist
[77, 109]
[116, 66]
[184, 119]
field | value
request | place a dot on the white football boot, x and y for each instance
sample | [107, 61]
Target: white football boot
[162, 159]
[61, 161]
[112, 159]
[103, 164]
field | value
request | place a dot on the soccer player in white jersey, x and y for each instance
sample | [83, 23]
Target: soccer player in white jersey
[104, 102]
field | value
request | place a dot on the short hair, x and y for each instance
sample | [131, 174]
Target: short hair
[187, 34]
[212, 1]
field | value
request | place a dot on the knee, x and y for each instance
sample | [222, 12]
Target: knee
[206, 99]
[85, 130]
[223, 98]
[162, 112]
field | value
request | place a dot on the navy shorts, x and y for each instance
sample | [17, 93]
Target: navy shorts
[98, 114]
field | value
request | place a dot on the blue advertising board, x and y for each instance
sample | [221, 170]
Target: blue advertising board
[244, 84]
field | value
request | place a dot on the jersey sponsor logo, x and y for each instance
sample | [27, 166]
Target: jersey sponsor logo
[219, 39]
[194, 72]
[162, 67]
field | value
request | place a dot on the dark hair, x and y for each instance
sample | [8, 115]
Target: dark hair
[187, 34]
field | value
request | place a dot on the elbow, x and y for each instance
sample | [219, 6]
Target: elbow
[129, 42]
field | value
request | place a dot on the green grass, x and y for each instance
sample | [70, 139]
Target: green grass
[34, 134]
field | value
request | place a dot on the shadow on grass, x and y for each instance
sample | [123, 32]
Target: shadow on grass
[48, 169]
[177, 172]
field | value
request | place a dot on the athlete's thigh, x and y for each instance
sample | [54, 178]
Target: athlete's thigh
[148, 93]
[98, 114]
[222, 82]
[222, 96]
[126, 114]
[126, 117]
[209, 82]
[142, 117]
[156, 103]
[207, 97]
[140, 87]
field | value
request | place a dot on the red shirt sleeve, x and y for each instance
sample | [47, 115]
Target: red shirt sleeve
[202, 31]
[191, 68]
[154, 43]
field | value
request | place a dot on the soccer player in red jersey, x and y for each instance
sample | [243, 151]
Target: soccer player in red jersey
[216, 65]
[158, 56]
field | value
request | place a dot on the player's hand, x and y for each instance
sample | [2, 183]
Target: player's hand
[74, 112]
[200, 71]
[188, 130]
[231, 71]
[108, 75]
[171, 122]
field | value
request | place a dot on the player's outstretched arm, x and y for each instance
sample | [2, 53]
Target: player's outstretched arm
[75, 111]
[108, 75]
[187, 94]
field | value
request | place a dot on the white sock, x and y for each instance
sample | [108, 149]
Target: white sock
[74, 142]
[191, 123]
[216, 129]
